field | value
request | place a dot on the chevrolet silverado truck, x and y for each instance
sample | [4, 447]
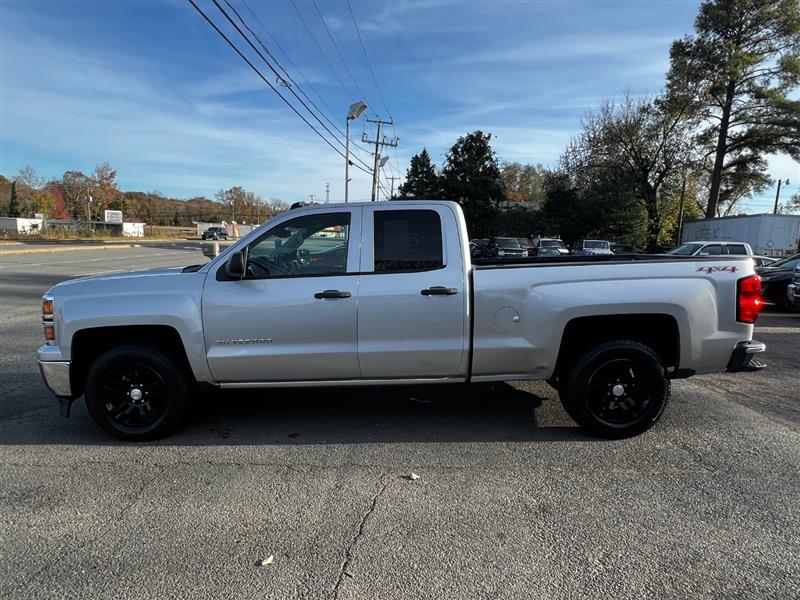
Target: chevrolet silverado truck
[387, 294]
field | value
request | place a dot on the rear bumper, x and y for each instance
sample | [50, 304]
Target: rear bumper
[742, 358]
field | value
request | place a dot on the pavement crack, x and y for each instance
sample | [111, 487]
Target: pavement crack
[348, 557]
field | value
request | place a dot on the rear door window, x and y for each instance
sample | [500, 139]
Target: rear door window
[737, 249]
[407, 240]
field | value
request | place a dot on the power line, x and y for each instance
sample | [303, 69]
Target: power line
[261, 75]
[341, 57]
[299, 72]
[369, 63]
[324, 56]
[266, 62]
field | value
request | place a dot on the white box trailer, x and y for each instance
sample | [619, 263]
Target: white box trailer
[768, 235]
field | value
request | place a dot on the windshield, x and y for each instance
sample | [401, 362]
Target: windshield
[552, 244]
[595, 244]
[686, 249]
[789, 261]
[507, 242]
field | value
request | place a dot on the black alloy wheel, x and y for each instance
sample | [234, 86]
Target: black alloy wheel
[136, 393]
[618, 389]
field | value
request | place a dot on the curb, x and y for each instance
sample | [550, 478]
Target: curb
[65, 249]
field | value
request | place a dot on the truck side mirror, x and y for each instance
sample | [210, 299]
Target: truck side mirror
[235, 266]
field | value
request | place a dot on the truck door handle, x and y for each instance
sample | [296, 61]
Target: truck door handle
[439, 290]
[331, 294]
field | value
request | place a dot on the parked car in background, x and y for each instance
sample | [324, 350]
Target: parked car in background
[592, 248]
[713, 248]
[618, 248]
[775, 280]
[505, 247]
[764, 261]
[794, 286]
[541, 244]
[549, 252]
[527, 245]
[215, 233]
[477, 248]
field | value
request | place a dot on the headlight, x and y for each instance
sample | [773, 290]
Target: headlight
[48, 327]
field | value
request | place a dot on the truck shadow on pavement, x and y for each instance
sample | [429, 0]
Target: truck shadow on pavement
[453, 413]
[479, 413]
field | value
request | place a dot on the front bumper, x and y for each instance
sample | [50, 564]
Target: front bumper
[793, 291]
[56, 376]
[743, 359]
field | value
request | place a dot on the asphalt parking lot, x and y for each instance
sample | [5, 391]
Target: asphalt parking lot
[513, 501]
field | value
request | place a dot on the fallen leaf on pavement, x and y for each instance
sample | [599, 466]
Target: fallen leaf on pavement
[413, 476]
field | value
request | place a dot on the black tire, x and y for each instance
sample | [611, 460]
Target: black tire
[617, 390]
[154, 411]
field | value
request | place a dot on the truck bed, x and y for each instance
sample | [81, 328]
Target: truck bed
[532, 261]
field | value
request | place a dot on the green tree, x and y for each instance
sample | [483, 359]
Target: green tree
[471, 176]
[737, 72]
[13, 206]
[422, 181]
[635, 143]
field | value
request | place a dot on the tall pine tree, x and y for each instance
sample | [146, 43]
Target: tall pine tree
[739, 71]
[422, 181]
[13, 206]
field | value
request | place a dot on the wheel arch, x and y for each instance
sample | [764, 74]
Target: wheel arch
[658, 331]
[90, 343]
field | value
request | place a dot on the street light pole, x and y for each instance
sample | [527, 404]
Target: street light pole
[353, 113]
[778, 196]
[347, 159]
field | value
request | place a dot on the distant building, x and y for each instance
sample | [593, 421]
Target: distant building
[768, 235]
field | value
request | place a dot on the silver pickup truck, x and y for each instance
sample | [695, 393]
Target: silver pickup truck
[386, 294]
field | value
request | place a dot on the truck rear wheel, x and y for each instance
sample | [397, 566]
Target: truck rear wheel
[617, 390]
[136, 393]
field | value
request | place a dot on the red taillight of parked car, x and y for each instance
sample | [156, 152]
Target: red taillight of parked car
[750, 302]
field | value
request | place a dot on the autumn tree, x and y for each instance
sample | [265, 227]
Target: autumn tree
[471, 176]
[524, 183]
[421, 181]
[738, 72]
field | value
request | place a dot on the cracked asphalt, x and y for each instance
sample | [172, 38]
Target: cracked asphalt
[513, 501]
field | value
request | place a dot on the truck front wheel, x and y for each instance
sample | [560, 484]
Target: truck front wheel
[136, 393]
[617, 390]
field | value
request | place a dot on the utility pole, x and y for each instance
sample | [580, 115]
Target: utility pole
[379, 142]
[392, 179]
[778, 196]
[311, 197]
[327, 193]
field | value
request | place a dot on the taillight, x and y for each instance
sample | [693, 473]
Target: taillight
[749, 303]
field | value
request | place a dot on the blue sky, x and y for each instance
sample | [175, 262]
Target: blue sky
[149, 87]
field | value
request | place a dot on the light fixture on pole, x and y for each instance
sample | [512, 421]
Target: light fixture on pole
[377, 179]
[354, 112]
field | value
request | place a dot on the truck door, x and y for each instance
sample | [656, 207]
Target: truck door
[293, 316]
[412, 306]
